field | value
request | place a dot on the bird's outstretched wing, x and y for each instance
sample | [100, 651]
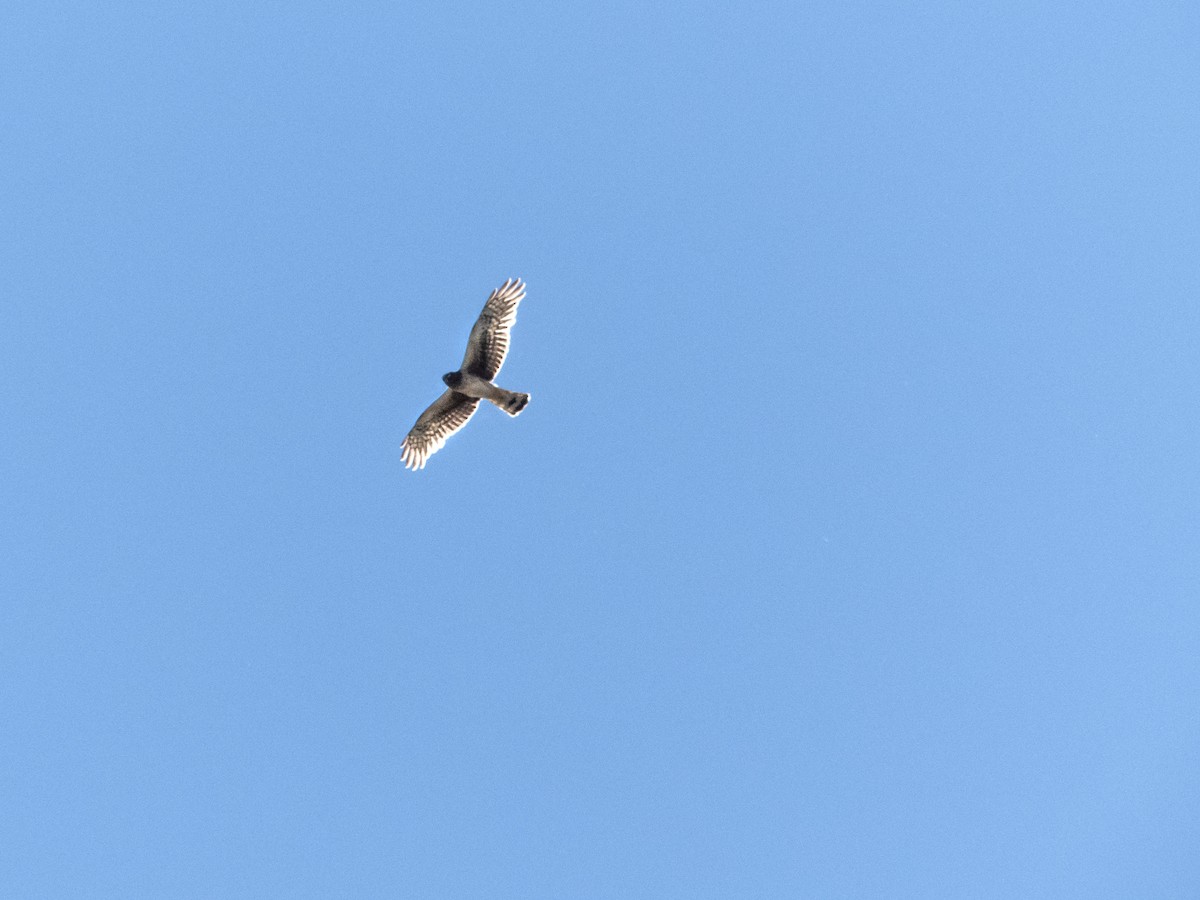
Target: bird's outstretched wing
[488, 343]
[445, 416]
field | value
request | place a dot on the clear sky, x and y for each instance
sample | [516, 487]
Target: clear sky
[849, 547]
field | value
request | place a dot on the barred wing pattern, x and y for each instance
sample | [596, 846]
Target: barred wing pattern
[448, 414]
[488, 343]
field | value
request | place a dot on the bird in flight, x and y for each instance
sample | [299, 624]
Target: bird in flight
[486, 349]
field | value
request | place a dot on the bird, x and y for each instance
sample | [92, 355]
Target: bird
[474, 381]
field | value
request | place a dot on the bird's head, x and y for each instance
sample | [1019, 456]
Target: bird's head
[452, 379]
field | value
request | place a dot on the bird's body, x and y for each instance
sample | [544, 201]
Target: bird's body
[474, 381]
[470, 385]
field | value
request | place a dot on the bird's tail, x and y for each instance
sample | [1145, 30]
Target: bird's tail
[511, 402]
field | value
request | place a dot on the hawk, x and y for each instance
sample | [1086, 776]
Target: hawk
[486, 349]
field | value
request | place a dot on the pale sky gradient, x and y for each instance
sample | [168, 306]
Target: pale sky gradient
[848, 547]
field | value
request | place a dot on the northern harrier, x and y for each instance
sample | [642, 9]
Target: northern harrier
[486, 348]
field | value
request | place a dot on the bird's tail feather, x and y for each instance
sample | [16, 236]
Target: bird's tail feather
[512, 402]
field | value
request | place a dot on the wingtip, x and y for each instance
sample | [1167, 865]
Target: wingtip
[410, 457]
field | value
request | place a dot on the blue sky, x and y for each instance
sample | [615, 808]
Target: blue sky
[848, 546]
